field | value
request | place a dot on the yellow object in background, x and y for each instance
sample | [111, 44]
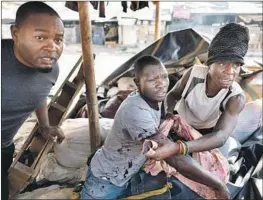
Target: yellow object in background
[252, 85]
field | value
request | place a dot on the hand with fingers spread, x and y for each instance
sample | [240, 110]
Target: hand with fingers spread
[53, 133]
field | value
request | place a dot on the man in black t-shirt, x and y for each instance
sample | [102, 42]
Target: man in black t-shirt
[29, 70]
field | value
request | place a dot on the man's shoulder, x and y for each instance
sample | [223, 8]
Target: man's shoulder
[200, 70]
[8, 58]
[6, 42]
[236, 89]
[134, 101]
[135, 109]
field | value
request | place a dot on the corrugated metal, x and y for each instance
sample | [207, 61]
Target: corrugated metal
[175, 49]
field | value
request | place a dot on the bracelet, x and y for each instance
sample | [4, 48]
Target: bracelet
[186, 147]
[181, 147]
[178, 142]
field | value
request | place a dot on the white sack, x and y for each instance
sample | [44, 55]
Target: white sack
[52, 171]
[51, 192]
[75, 149]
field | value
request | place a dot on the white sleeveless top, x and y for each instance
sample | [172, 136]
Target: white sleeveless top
[195, 107]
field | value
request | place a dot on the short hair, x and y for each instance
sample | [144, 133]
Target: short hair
[143, 62]
[33, 7]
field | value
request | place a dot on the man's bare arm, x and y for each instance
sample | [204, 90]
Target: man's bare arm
[53, 133]
[189, 168]
[221, 133]
[224, 127]
[42, 115]
[175, 93]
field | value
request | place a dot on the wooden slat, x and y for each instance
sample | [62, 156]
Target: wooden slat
[71, 84]
[20, 175]
[25, 145]
[66, 94]
[77, 65]
[55, 105]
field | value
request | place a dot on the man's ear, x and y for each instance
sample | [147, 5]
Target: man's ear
[136, 81]
[14, 32]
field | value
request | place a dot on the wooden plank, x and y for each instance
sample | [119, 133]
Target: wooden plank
[39, 154]
[25, 145]
[78, 64]
[71, 84]
[20, 175]
[89, 73]
[44, 152]
[157, 21]
[55, 113]
[67, 92]
[70, 103]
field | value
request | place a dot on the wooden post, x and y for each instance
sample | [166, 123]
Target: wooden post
[89, 74]
[157, 21]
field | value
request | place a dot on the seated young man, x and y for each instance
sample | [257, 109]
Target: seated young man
[208, 97]
[120, 158]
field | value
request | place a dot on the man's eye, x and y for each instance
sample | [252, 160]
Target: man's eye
[58, 41]
[39, 37]
[237, 65]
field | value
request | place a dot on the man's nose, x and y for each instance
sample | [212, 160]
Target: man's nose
[229, 68]
[50, 45]
[160, 83]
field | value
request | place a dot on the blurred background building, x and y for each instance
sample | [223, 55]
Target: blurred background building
[137, 28]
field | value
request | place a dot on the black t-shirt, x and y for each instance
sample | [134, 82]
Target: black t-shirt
[23, 90]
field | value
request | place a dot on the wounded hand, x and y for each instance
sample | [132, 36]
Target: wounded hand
[169, 115]
[53, 133]
[165, 149]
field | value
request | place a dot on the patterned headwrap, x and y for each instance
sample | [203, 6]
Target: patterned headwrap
[229, 45]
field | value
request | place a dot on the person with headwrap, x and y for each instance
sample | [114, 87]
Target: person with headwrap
[207, 96]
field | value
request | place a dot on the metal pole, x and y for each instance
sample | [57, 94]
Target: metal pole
[157, 21]
[89, 74]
